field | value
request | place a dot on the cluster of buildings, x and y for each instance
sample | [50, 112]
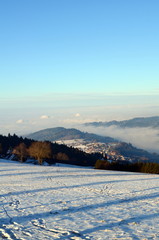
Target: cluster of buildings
[106, 149]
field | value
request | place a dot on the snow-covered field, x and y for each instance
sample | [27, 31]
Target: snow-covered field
[66, 202]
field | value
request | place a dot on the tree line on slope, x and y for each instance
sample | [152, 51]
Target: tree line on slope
[24, 148]
[144, 167]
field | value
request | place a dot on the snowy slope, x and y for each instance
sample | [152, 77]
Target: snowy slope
[66, 202]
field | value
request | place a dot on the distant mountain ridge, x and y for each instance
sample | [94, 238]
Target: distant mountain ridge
[131, 123]
[61, 133]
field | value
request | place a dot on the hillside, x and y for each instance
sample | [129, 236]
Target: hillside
[141, 122]
[23, 148]
[66, 202]
[60, 133]
[125, 149]
[136, 154]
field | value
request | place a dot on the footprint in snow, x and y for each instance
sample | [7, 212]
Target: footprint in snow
[27, 233]
[39, 223]
[9, 235]
[4, 234]
[60, 232]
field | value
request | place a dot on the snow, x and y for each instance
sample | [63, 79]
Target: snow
[68, 202]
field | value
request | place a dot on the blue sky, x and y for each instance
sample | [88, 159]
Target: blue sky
[64, 58]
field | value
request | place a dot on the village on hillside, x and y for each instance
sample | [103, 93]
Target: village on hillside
[106, 149]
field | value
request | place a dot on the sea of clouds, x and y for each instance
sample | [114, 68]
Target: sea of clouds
[145, 138]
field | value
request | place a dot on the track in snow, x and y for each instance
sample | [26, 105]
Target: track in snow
[65, 202]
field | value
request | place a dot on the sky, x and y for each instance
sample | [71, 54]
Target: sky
[68, 62]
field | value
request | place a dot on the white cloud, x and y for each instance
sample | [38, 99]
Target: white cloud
[20, 121]
[77, 115]
[44, 117]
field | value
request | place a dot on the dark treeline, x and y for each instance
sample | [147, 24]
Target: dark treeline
[144, 167]
[24, 148]
[11, 141]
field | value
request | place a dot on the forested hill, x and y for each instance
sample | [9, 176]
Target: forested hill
[60, 133]
[57, 152]
[132, 123]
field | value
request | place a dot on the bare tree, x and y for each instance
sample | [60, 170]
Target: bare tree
[40, 151]
[21, 151]
[62, 156]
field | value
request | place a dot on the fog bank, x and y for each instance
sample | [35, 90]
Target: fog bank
[145, 138]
